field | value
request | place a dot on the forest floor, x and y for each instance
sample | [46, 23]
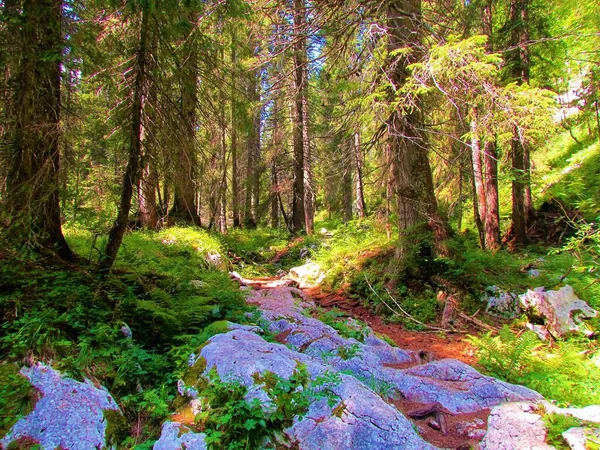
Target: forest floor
[439, 345]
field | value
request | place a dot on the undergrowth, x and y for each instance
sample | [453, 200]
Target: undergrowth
[565, 372]
[230, 421]
[132, 331]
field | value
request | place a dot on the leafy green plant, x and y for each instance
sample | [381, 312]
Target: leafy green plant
[345, 326]
[232, 422]
[564, 372]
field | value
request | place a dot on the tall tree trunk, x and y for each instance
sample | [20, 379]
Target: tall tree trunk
[490, 154]
[518, 200]
[34, 135]
[115, 235]
[361, 207]
[148, 179]
[235, 207]
[147, 184]
[184, 201]
[253, 151]
[492, 216]
[224, 168]
[479, 202]
[417, 206]
[346, 169]
[299, 195]
[519, 60]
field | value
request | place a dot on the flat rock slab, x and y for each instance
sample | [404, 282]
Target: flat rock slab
[69, 415]
[456, 386]
[359, 419]
[515, 426]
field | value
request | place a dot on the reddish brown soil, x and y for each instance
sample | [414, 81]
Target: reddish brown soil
[451, 437]
[436, 344]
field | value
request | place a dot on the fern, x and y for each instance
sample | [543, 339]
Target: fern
[507, 355]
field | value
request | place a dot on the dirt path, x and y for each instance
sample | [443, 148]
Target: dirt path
[437, 345]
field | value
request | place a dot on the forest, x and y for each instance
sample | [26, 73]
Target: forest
[423, 161]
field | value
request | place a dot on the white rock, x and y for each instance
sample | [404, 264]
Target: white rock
[562, 310]
[308, 275]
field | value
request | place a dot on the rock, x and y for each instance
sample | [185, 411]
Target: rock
[126, 331]
[533, 273]
[540, 330]
[455, 385]
[578, 437]
[303, 252]
[501, 303]
[561, 310]
[588, 413]
[359, 419]
[308, 275]
[175, 436]
[325, 232]
[70, 414]
[515, 426]
[215, 260]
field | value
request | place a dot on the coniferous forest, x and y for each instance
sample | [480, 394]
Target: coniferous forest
[411, 166]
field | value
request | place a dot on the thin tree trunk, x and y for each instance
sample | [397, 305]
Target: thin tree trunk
[479, 202]
[519, 57]
[346, 169]
[492, 217]
[518, 201]
[234, 136]
[274, 193]
[115, 236]
[361, 207]
[301, 146]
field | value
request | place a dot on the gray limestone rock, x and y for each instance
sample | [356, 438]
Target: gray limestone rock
[175, 436]
[456, 386]
[515, 426]
[359, 419]
[69, 415]
[561, 310]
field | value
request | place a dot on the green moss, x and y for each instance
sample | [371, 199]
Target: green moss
[193, 376]
[117, 429]
[17, 396]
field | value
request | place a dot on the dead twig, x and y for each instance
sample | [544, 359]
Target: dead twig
[406, 315]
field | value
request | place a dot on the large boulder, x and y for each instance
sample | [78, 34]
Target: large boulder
[69, 414]
[307, 275]
[562, 311]
[359, 418]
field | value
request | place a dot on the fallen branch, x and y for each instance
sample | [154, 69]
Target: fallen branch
[406, 315]
[477, 322]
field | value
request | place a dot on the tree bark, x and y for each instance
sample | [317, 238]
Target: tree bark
[519, 61]
[184, 201]
[361, 206]
[34, 136]
[479, 202]
[413, 184]
[235, 194]
[492, 216]
[346, 169]
[299, 195]
[115, 235]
